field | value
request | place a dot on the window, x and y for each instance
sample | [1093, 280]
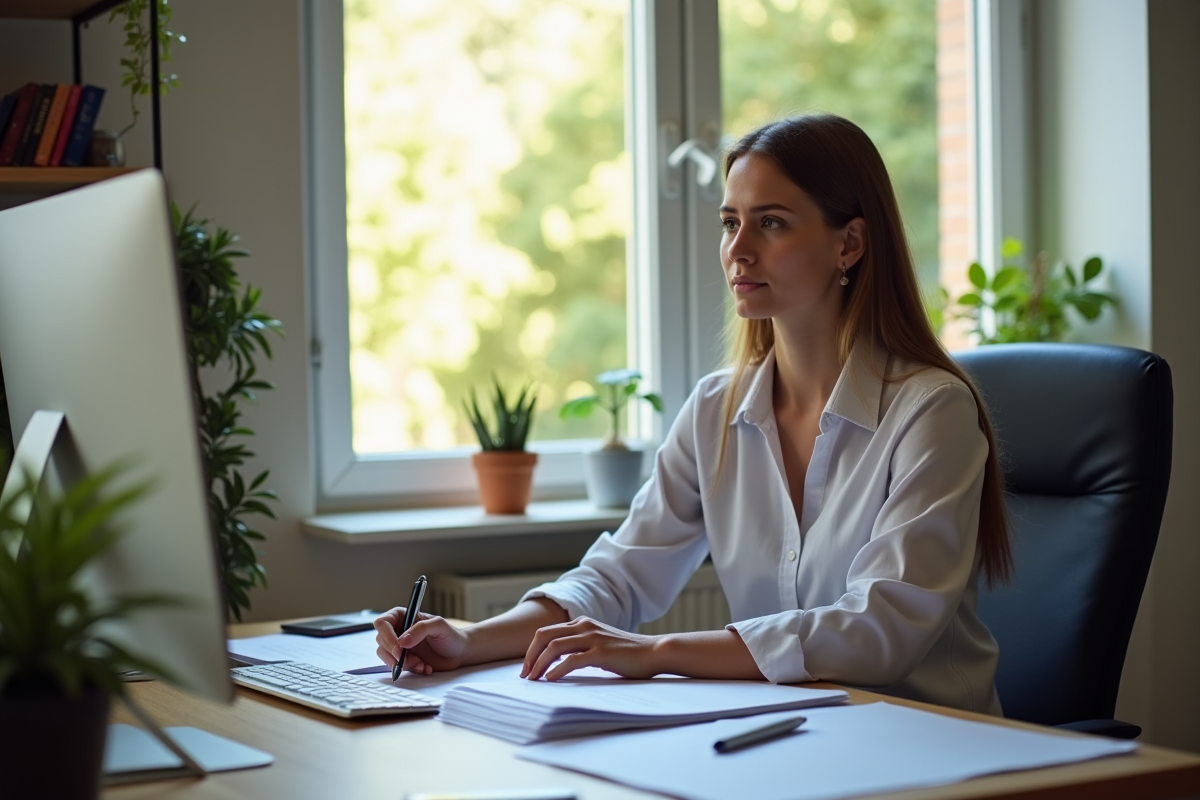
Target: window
[491, 191]
[488, 204]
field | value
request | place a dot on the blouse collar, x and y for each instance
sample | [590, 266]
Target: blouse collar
[856, 395]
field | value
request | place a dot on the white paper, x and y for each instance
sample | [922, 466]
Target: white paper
[841, 751]
[657, 697]
[350, 652]
[439, 683]
[524, 711]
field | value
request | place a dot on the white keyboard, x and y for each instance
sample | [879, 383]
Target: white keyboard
[331, 691]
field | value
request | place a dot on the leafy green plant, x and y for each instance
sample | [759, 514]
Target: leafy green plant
[51, 630]
[512, 423]
[1029, 304]
[226, 329]
[136, 25]
[620, 386]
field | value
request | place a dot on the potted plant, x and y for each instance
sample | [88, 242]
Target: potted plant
[225, 333]
[59, 667]
[504, 468]
[1029, 304]
[614, 471]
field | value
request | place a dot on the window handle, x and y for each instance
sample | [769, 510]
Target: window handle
[693, 150]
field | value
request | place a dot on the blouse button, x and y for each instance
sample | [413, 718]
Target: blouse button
[791, 555]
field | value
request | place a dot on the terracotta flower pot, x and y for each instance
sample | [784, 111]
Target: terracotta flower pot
[505, 478]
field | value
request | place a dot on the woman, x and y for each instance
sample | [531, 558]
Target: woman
[842, 475]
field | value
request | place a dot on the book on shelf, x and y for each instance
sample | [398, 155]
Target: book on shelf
[76, 150]
[68, 122]
[26, 97]
[34, 127]
[48, 125]
[7, 104]
[58, 104]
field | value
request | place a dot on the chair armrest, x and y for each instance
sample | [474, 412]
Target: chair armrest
[1112, 728]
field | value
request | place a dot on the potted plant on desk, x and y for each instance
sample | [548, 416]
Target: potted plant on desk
[614, 471]
[59, 668]
[504, 468]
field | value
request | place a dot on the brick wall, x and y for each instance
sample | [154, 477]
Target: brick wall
[956, 145]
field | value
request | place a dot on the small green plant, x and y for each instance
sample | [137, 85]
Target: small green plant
[1029, 304]
[51, 630]
[225, 329]
[512, 422]
[620, 386]
[136, 25]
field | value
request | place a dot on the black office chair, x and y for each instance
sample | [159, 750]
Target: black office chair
[1085, 437]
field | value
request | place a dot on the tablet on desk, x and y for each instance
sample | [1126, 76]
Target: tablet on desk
[332, 626]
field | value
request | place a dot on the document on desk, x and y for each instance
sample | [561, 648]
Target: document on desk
[840, 752]
[525, 711]
[439, 684]
[351, 652]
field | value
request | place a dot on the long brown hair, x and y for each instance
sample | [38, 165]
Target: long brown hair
[837, 165]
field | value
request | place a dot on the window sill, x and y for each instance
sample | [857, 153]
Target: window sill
[464, 522]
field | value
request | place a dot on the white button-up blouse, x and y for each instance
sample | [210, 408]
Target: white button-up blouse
[874, 586]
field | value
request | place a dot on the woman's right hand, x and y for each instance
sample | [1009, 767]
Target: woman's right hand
[433, 644]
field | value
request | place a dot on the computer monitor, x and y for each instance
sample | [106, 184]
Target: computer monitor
[91, 326]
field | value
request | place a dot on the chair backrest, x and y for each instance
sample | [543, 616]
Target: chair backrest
[1085, 439]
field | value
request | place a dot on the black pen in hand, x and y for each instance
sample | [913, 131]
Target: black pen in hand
[410, 618]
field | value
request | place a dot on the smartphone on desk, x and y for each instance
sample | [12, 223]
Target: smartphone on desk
[334, 625]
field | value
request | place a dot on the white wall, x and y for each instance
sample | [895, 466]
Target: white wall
[1093, 150]
[1118, 162]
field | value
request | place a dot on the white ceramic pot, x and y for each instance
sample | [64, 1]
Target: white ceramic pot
[613, 476]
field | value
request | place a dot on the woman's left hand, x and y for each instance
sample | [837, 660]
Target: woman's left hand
[583, 642]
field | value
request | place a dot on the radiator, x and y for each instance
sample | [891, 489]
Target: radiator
[700, 606]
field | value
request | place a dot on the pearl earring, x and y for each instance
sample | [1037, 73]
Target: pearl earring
[844, 281]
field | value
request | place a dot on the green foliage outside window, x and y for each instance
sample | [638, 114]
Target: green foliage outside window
[871, 61]
[489, 189]
[488, 205]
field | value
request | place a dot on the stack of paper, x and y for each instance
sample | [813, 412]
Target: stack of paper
[524, 711]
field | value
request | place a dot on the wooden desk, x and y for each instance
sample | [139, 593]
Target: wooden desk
[320, 757]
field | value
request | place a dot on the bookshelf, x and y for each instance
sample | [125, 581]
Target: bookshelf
[52, 180]
[47, 9]
[42, 181]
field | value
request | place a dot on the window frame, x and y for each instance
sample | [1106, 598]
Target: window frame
[676, 297]
[1001, 56]
[675, 300]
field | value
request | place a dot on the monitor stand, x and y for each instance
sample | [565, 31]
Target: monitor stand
[127, 758]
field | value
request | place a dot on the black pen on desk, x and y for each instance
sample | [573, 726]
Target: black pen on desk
[775, 729]
[411, 615]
